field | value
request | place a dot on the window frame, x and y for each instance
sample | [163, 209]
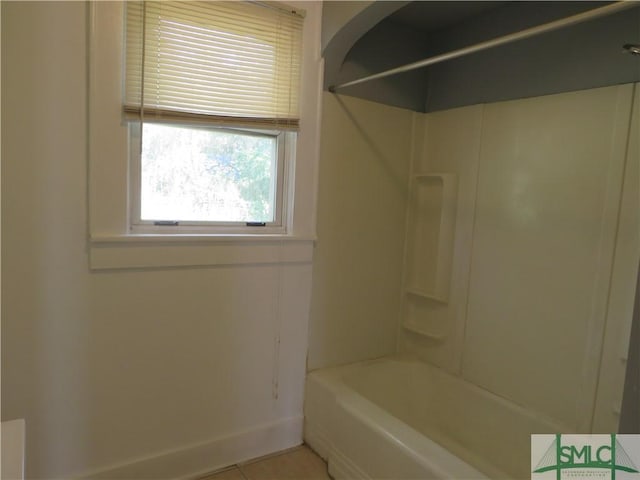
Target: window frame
[285, 160]
[110, 243]
[284, 139]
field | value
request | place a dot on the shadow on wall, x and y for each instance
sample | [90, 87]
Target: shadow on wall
[399, 183]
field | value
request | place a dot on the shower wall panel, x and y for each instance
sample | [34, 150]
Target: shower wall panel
[448, 143]
[539, 202]
[549, 186]
[362, 202]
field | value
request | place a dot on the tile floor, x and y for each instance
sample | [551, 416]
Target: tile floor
[299, 463]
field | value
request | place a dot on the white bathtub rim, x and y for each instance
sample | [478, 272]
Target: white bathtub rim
[420, 447]
[333, 377]
[334, 380]
[342, 467]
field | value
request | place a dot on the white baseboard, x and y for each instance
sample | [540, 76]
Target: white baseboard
[196, 460]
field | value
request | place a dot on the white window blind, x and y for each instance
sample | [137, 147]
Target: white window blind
[230, 63]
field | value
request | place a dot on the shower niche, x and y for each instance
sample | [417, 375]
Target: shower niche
[431, 224]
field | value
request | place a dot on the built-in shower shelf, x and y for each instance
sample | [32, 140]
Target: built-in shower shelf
[432, 213]
[437, 337]
[427, 296]
[428, 256]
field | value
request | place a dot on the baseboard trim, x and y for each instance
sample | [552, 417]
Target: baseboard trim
[199, 459]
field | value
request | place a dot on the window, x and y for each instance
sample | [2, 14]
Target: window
[211, 99]
[117, 240]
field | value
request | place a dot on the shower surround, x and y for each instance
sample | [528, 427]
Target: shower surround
[514, 301]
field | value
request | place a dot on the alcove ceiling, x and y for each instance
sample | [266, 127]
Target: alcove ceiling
[428, 16]
[362, 38]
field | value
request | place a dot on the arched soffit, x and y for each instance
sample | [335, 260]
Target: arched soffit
[344, 23]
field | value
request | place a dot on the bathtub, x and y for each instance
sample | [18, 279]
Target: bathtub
[395, 419]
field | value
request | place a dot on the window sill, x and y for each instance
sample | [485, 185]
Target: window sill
[144, 251]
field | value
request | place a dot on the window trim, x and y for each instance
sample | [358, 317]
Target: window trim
[108, 232]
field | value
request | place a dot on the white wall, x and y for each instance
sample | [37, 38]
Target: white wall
[362, 199]
[546, 244]
[174, 365]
